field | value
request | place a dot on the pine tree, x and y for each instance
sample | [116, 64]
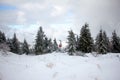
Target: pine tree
[9, 43]
[55, 45]
[115, 43]
[50, 46]
[39, 45]
[3, 44]
[85, 41]
[106, 41]
[77, 43]
[2, 37]
[101, 47]
[71, 43]
[1, 40]
[25, 47]
[15, 48]
[46, 44]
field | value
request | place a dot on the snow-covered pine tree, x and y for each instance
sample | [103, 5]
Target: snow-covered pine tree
[77, 43]
[15, 48]
[3, 45]
[55, 45]
[46, 43]
[100, 43]
[85, 41]
[25, 47]
[9, 43]
[106, 41]
[50, 46]
[39, 45]
[71, 43]
[2, 37]
[115, 43]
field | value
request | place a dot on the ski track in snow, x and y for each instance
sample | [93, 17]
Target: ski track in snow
[59, 66]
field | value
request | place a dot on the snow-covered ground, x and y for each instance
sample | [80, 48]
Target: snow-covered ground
[59, 66]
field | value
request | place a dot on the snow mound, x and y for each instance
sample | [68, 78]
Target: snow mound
[59, 66]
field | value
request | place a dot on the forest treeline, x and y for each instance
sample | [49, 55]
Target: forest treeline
[82, 42]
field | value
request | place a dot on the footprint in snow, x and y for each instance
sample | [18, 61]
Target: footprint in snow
[50, 65]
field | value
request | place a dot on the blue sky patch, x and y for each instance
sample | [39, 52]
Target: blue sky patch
[7, 7]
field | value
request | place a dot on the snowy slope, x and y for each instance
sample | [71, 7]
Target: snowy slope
[59, 66]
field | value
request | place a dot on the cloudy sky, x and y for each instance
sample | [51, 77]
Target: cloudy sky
[57, 17]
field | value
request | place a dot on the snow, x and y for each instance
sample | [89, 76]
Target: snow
[59, 66]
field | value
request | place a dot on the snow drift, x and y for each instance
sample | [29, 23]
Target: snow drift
[59, 66]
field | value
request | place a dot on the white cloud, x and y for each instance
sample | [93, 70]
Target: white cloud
[21, 17]
[46, 11]
[33, 6]
[58, 11]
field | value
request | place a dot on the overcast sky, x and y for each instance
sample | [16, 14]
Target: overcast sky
[57, 17]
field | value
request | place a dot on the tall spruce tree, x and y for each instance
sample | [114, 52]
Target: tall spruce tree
[100, 43]
[55, 45]
[39, 45]
[46, 44]
[85, 41]
[115, 43]
[77, 43]
[3, 43]
[25, 47]
[2, 37]
[15, 48]
[9, 43]
[106, 41]
[50, 45]
[71, 43]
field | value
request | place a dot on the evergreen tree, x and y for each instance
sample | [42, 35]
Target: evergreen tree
[115, 43]
[3, 45]
[25, 47]
[2, 37]
[9, 43]
[1, 40]
[55, 45]
[50, 46]
[101, 47]
[46, 44]
[15, 48]
[77, 43]
[39, 45]
[71, 43]
[106, 41]
[85, 41]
